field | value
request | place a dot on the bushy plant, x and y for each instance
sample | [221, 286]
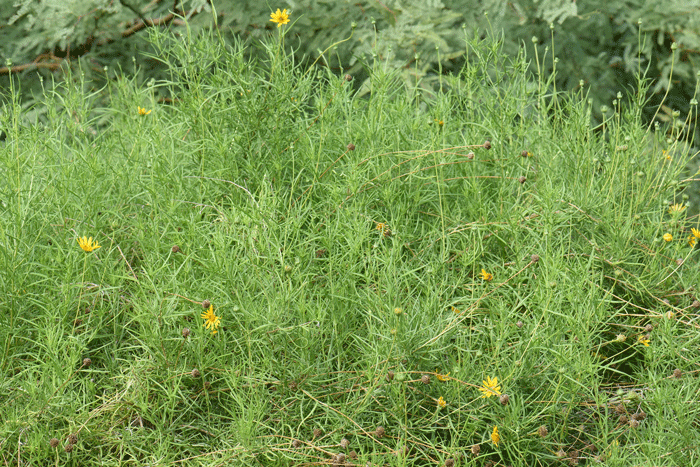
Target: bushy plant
[278, 269]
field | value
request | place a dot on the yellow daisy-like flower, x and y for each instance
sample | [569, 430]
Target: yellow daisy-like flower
[495, 437]
[456, 310]
[676, 209]
[87, 245]
[487, 276]
[642, 340]
[696, 232]
[279, 17]
[668, 237]
[692, 240]
[440, 377]
[441, 402]
[666, 155]
[143, 111]
[490, 388]
[211, 321]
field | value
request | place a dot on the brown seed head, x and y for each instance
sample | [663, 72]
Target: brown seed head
[344, 443]
[634, 423]
[648, 328]
[476, 449]
[185, 332]
[696, 304]
[624, 419]
[87, 362]
[487, 144]
[620, 409]
[175, 249]
[470, 155]
[351, 147]
[449, 462]
[68, 447]
[379, 432]
[542, 431]
[641, 415]
[348, 78]
[425, 379]
[504, 399]
[317, 432]
[524, 153]
[72, 438]
[390, 376]
[519, 324]
[195, 373]
[339, 459]
[522, 179]
[54, 442]
[352, 454]
[534, 258]
[560, 454]
[677, 373]
[207, 385]
[206, 304]
[296, 443]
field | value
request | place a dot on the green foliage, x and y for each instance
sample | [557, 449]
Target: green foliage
[342, 236]
[605, 45]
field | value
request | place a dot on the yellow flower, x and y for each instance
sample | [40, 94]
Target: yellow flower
[487, 276]
[87, 245]
[676, 209]
[668, 237]
[441, 402]
[696, 232]
[691, 241]
[381, 226]
[495, 437]
[666, 155]
[211, 321]
[456, 310]
[491, 387]
[280, 17]
[440, 377]
[643, 340]
[143, 111]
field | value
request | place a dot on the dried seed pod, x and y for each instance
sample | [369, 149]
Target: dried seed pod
[476, 449]
[72, 438]
[390, 376]
[470, 155]
[504, 399]
[542, 431]
[317, 432]
[87, 362]
[68, 447]
[648, 328]
[206, 304]
[449, 462]
[677, 373]
[351, 147]
[175, 249]
[195, 373]
[519, 324]
[534, 258]
[344, 443]
[348, 78]
[54, 442]
[487, 144]
[296, 443]
[522, 179]
[425, 379]
[185, 332]
[379, 432]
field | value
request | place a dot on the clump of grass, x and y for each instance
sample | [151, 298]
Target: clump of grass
[294, 269]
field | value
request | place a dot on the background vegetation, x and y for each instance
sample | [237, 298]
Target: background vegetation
[375, 255]
[595, 42]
